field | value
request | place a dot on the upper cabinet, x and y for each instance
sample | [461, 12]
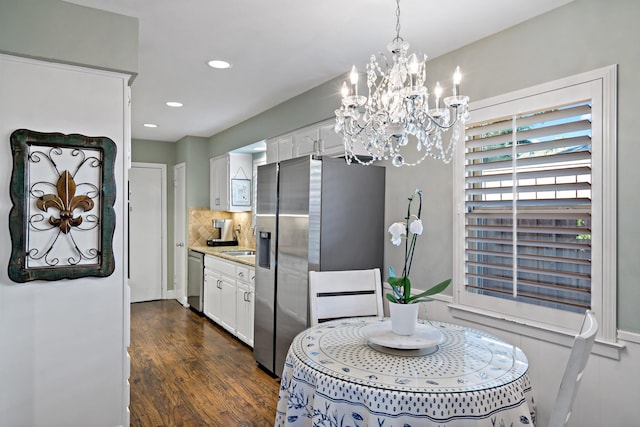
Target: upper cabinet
[320, 139]
[280, 148]
[305, 141]
[230, 182]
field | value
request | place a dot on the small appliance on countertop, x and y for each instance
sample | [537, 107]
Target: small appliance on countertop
[224, 231]
[218, 242]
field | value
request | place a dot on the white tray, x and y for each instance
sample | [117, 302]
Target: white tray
[426, 336]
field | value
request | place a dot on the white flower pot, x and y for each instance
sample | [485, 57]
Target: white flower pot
[404, 318]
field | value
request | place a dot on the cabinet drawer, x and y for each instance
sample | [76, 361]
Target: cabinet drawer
[242, 273]
[219, 265]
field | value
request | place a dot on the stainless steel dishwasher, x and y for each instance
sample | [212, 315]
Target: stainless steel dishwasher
[195, 280]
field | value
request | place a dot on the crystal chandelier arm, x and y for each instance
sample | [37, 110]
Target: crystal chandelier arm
[457, 116]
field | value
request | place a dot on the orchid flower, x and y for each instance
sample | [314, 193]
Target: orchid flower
[416, 227]
[397, 230]
[410, 229]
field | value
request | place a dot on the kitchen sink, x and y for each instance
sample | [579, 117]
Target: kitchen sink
[240, 253]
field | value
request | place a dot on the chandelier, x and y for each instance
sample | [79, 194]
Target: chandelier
[396, 114]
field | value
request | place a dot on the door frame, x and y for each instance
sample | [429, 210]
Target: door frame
[180, 234]
[163, 220]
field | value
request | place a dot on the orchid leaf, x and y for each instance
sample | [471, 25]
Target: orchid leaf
[431, 291]
[392, 299]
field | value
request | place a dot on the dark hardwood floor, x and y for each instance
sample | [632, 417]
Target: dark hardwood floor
[186, 371]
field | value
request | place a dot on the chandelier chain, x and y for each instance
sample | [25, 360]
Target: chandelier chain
[397, 21]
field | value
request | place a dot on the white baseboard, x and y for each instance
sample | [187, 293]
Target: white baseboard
[629, 336]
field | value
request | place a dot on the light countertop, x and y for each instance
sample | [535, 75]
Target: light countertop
[218, 251]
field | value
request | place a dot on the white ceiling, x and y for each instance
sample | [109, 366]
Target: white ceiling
[279, 49]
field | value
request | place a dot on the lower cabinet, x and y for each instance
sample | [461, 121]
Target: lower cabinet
[228, 296]
[211, 298]
[244, 313]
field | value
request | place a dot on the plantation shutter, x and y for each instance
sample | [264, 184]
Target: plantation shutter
[528, 207]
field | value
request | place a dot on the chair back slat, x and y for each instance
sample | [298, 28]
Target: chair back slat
[340, 294]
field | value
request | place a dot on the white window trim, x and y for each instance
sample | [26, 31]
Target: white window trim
[604, 299]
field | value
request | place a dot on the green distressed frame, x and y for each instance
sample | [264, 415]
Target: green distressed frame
[21, 140]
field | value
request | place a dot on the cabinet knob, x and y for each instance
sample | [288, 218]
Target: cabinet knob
[240, 274]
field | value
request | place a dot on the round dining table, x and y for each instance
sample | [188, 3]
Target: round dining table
[355, 373]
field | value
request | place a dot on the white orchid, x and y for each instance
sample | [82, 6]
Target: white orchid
[410, 229]
[397, 230]
[416, 227]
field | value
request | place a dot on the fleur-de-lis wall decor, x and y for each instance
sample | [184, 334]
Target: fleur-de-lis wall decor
[66, 202]
[62, 220]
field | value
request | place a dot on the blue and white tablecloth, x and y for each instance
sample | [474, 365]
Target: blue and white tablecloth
[334, 377]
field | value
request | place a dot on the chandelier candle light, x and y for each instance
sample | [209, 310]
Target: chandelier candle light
[396, 114]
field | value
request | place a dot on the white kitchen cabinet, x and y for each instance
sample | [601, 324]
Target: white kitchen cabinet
[330, 141]
[227, 317]
[220, 300]
[306, 141]
[280, 148]
[211, 298]
[245, 282]
[244, 313]
[272, 151]
[230, 182]
[229, 296]
[220, 292]
[319, 138]
[217, 183]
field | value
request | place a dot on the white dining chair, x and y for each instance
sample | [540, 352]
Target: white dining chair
[347, 293]
[582, 344]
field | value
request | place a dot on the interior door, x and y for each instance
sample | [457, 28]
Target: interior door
[179, 233]
[147, 240]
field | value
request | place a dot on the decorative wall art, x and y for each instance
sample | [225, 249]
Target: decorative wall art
[62, 220]
[241, 192]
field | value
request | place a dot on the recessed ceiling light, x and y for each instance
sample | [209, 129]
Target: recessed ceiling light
[219, 64]
[150, 125]
[174, 104]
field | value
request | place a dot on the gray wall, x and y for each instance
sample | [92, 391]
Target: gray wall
[573, 39]
[193, 151]
[581, 36]
[315, 105]
[68, 33]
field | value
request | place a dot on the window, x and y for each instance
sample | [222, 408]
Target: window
[536, 197]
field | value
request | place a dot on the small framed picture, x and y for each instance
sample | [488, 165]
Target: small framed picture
[241, 192]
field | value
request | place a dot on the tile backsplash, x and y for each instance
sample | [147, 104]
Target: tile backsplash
[201, 230]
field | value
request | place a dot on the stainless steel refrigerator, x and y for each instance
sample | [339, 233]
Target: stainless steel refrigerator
[311, 214]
